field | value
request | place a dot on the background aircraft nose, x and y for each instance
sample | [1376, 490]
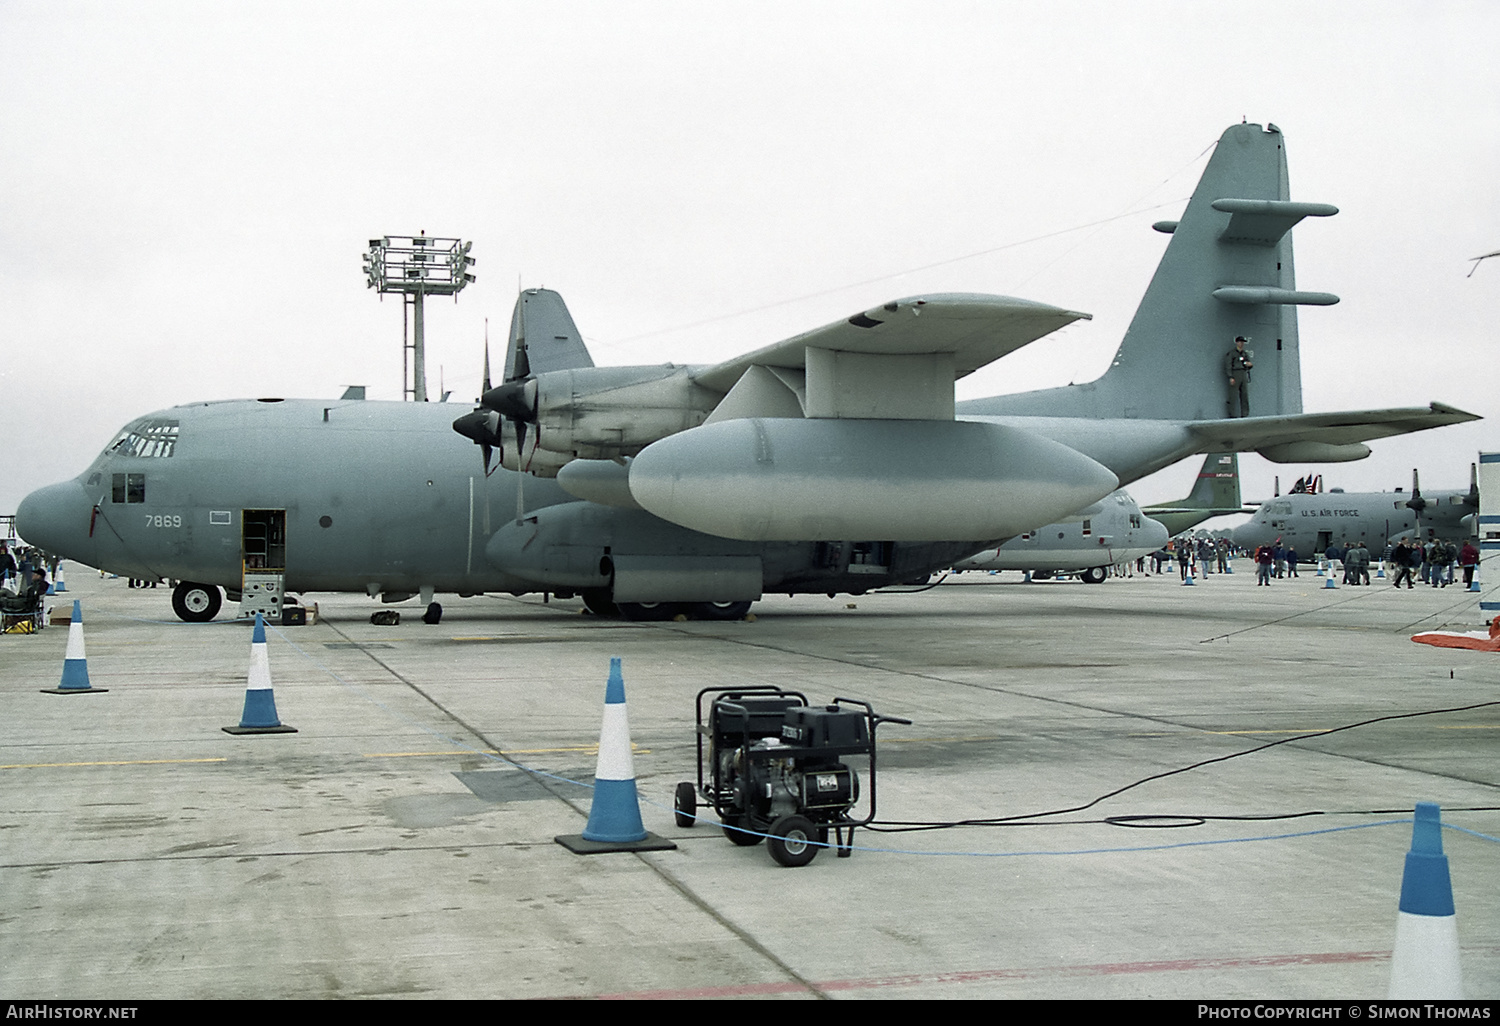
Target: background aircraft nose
[56, 518]
[1156, 533]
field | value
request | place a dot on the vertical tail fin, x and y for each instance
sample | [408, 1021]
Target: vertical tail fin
[543, 337]
[1216, 492]
[1227, 271]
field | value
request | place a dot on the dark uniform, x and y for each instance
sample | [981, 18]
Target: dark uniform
[1237, 368]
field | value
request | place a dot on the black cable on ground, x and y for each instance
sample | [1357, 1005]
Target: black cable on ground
[906, 826]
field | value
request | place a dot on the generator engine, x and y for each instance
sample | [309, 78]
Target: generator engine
[775, 770]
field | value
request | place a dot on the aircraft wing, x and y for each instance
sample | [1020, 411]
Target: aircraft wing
[1321, 437]
[976, 329]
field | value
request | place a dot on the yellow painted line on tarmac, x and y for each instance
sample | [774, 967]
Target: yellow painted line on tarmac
[126, 762]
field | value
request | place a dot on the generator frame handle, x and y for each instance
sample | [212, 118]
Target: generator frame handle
[875, 720]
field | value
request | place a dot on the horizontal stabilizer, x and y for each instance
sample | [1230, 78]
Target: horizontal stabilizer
[1287, 438]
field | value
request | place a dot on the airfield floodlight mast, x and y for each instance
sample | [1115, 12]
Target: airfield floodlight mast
[415, 266]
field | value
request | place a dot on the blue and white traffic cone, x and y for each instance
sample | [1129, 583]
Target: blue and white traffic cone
[259, 716]
[75, 672]
[1322, 566]
[58, 585]
[1329, 584]
[615, 817]
[1424, 963]
[1189, 578]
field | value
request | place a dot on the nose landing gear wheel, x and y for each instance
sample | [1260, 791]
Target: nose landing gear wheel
[196, 603]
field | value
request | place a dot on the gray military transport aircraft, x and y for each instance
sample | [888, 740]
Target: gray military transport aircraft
[836, 461]
[1310, 520]
[1116, 529]
[1111, 531]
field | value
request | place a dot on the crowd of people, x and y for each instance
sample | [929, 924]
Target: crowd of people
[1432, 562]
[1436, 563]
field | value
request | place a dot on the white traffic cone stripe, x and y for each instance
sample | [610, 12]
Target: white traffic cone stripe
[260, 668]
[615, 760]
[1425, 962]
[75, 641]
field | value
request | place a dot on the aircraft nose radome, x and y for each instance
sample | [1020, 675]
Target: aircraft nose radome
[55, 518]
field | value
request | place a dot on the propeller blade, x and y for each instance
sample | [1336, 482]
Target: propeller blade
[515, 400]
[487, 385]
[1416, 503]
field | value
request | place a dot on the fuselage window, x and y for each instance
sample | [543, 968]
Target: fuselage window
[128, 488]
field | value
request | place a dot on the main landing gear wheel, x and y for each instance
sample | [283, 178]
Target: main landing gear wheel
[720, 610]
[685, 808]
[1094, 575]
[598, 602]
[649, 611]
[791, 843]
[196, 603]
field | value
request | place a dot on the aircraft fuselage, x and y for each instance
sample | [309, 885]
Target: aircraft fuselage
[384, 497]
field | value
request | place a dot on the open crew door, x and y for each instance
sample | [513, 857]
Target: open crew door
[262, 562]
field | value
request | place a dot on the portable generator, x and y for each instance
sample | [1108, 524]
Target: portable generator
[771, 766]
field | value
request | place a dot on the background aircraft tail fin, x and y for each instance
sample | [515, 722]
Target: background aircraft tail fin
[1217, 487]
[543, 337]
[1215, 493]
[1227, 271]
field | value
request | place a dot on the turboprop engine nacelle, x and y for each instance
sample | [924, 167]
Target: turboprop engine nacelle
[602, 412]
[781, 480]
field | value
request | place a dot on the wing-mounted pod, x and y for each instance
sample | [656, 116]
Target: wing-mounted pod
[899, 480]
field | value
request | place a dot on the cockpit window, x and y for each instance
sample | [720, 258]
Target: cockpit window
[146, 439]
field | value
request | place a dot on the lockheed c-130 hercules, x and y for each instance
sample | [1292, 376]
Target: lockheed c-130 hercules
[836, 461]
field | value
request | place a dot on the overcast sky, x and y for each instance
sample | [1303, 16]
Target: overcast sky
[186, 190]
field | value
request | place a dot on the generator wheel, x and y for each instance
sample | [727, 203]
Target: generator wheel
[792, 841]
[738, 836]
[686, 805]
